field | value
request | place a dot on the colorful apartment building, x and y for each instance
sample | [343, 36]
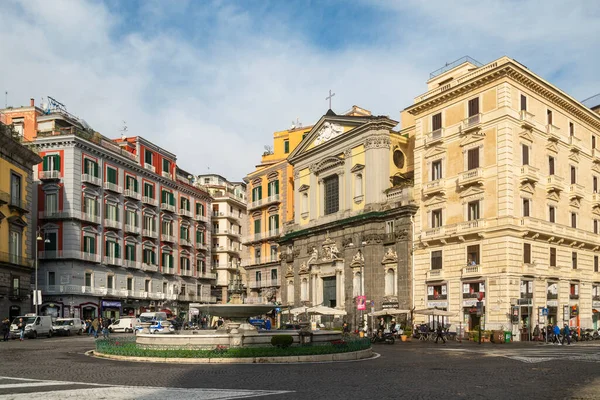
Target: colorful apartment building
[17, 231]
[506, 180]
[125, 230]
[270, 206]
[229, 224]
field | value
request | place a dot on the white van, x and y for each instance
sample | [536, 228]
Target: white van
[67, 326]
[124, 325]
[153, 317]
[35, 326]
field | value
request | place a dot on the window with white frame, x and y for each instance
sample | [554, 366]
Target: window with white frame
[473, 210]
[390, 282]
[436, 170]
[290, 292]
[304, 289]
[358, 185]
[436, 218]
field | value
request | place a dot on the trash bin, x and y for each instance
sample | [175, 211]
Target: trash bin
[507, 336]
[361, 333]
[498, 337]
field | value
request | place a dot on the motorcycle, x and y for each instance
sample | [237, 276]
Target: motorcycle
[382, 337]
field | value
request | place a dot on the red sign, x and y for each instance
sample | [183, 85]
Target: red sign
[361, 302]
[480, 296]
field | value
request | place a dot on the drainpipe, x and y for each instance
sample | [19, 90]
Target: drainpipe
[412, 266]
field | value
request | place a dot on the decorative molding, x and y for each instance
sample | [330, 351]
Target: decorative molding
[357, 167]
[358, 260]
[378, 142]
[303, 188]
[273, 175]
[347, 153]
[390, 256]
[327, 132]
[326, 164]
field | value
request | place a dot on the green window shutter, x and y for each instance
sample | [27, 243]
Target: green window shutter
[85, 244]
[163, 197]
[148, 157]
[277, 187]
[96, 171]
[269, 189]
[57, 162]
[182, 232]
[106, 248]
[145, 257]
[93, 245]
[153, 257]
[257, 226]
[286, 146]
[135, 185]
[117, 250]
[259, 192]
[86, 164]
[172, 199]
[254, 195]
[270, 223]
[276, 222]
[45, 163]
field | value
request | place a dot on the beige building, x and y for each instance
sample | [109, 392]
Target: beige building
[228, 228]
[506, 180]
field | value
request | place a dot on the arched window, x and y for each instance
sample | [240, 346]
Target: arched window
[356, 284]
[390, 282]
[304, 290]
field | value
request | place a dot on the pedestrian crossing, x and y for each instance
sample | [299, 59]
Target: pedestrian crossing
[35, 389]
[539, 353]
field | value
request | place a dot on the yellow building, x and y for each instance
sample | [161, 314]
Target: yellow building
[16, 167]
[270, 205]
[506, 180]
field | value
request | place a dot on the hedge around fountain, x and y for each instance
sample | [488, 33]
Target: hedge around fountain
[128, 348]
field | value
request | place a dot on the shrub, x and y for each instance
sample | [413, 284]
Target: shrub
[282, 341]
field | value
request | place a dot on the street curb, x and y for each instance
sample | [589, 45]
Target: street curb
[350, 356]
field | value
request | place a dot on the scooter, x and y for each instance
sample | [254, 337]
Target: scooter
[382, 337]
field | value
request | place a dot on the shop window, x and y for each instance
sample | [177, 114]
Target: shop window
[526, 289]
[552, 291]
[471, 290]
[437, 292]
[574, 291]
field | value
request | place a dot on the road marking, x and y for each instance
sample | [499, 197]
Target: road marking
[120, 392]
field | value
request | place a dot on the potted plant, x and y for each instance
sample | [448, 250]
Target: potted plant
[407, 335]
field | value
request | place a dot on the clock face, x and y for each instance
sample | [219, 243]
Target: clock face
[399, 159]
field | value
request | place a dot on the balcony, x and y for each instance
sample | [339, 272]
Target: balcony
[156, 295]
[166, 174]
[596, 155]
[596, 200]
[185, 242]
[132, 264]
[204, 298]
[272, 199]
[529, 174]
[435, 275]
[230, 215]
[260, 261]
[149, 233]
[255, 204]
[202, 218]
[555, 184]
[471, 177]
[253, 238]
[574, 297]
[201, 246]
[553, 132]
[226, 249]
[55, 214]
[186, 272]
[226, 232]
[471, 271]
[552, 296]
[434, 137]
[15, 259]
[167, 207]
[150, 201]
[527, 120]
[98, 291]
[265, 283]
[132, 194]
[95, 219]
[136, 230]
[576, 190]
[272, 233]
[20, 205]
[112, 260]
[90, 257]
[4, 197]
[150, 267]
[168, 270]
[186, 213]
[434, 187]
[49, 175]
[557, 231]
[67, 254]
[167, 238]
[111, 223]
[461, 228]
[150, 167]
[113, 187]
[89, 178]
[471, 124]
[574, 143]
[440, 296]
[205, 275]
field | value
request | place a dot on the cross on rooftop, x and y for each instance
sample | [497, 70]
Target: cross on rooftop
[329, 98]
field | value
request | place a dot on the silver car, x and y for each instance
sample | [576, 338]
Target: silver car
[67, 326]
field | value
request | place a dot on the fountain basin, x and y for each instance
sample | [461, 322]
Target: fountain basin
[234, 310]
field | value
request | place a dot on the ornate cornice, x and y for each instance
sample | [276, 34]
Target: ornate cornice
[378, 142]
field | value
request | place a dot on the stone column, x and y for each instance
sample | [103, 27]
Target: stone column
[313, 198]
[377, 167]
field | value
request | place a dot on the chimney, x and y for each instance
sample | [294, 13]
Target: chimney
[32, 102]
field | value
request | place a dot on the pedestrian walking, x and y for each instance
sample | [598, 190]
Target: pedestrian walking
[104, 324]
[95, 327]
[556, 335]
[440, 334]
[566, 335]
[5, 329]
[21, 327]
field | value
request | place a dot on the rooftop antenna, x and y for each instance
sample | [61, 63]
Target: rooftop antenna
[6, 99]
[124, 130]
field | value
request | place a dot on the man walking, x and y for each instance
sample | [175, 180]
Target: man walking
[566, 335]
[440, 334]
[95, 327]
[556, 335]
[21, 326]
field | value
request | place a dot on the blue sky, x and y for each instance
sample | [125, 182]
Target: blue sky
[212, 80]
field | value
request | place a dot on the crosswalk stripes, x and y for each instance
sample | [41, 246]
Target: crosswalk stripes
[34, 389]
[540, 353]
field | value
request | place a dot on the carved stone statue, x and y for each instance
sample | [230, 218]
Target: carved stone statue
[390, 256]
[335, 253]
[303, 268]
[314, 255]
[358, 257]
[327, 132]
[290, 270]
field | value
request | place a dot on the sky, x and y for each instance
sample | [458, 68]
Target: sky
[212, 80]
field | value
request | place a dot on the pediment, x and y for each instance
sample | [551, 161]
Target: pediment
[596, 210]
[303, 188]
[434, 200]
[554, 196]
[326, 164]
[90, 229]
[17, 221]
[111, 234]
[435, 151]
[596, 167]
[357, 167]
[575, 202]
[552, 146]
[131, 239]
[472, 191]
[528, 187]
[471, 138]
[49, 227]
[149, 243]
[574, 156]
[50, 187]
[273, 175]
[526, 134]
[111, 198]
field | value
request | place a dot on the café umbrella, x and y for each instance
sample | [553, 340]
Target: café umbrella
[322, 310]
[389, 311]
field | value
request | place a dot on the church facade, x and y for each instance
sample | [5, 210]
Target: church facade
[352, 222]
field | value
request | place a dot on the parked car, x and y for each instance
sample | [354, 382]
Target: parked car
[153, 316]
[67, 326]
[34, 326]
[124, 325]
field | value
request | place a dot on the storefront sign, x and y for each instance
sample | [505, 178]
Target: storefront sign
[552, 303]
[566, 313]
[439, 304]
[390, 305]
[115, 304]
[471, 302]
[595, 303]
[524, 302]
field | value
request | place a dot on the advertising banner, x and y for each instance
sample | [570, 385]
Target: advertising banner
[361, 303]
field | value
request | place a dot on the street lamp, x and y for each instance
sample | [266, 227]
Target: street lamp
[36, 297]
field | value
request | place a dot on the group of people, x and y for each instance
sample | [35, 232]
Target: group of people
[94, 326]
[553, 334]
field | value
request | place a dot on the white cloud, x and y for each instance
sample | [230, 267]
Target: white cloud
[215, 95]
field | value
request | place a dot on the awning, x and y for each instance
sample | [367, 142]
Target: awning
[389, 311]
[434, 312]
[595, 311]
[322, 310]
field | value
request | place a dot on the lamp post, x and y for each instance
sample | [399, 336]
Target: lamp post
[36, 297]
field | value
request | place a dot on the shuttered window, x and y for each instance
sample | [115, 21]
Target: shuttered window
[331, 200]
[473, 107]
[436, 122]
[553, 256]
[473, 158]
[527, 253]
[525, 151]
[51, 163]
[111, 175]
[436, 259]
[257, 226]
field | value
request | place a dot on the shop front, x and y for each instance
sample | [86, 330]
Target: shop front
[111, 309]
[471, 293]
[596, 306]
[437, 296]
[552, 303]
